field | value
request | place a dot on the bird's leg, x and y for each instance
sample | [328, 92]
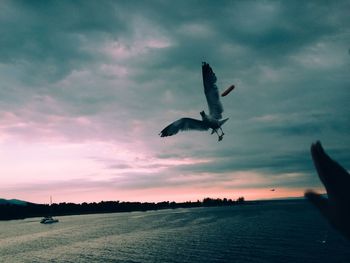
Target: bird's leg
[222, 132]
[219, 136]
[214, 130]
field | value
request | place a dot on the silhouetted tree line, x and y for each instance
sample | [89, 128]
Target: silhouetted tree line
[13, 211]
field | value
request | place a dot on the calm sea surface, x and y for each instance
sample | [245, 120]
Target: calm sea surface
[270, 232]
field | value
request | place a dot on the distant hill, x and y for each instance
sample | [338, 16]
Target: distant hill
[12, 201]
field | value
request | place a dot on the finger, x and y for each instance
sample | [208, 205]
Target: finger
[317, 160]
[321, 163]
[320, 202]
[333, 176]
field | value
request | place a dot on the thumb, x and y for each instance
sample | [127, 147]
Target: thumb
[320, 202]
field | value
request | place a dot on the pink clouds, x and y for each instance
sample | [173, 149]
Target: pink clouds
[114, 70]
[123, 50]
[37, 125]
[78, 192]
[75, 159]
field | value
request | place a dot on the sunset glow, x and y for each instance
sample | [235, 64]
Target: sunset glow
[84, 95]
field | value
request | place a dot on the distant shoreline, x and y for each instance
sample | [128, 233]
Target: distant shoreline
[15, 211]
[12, 211]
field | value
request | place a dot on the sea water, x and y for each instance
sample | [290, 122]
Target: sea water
[290, 231]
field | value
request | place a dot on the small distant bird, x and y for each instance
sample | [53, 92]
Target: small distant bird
[213, 120]
[272, 190]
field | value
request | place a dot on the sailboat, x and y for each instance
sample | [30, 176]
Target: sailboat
[49, 219]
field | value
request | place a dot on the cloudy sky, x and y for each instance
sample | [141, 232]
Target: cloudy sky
[86, 86]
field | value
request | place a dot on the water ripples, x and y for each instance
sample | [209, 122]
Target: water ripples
[254, 233]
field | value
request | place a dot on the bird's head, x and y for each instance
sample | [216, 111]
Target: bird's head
[202, 113]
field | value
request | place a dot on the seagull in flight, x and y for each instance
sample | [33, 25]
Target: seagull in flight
[213, 120]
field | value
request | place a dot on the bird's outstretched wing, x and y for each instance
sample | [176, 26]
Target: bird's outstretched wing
[183, 124]
[211, 92]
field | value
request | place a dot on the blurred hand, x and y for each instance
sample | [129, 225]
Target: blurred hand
[336, 208]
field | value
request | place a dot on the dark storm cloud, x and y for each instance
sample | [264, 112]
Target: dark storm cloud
[271, 164]
[255, 32]
[59, 36]
[48, 39]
